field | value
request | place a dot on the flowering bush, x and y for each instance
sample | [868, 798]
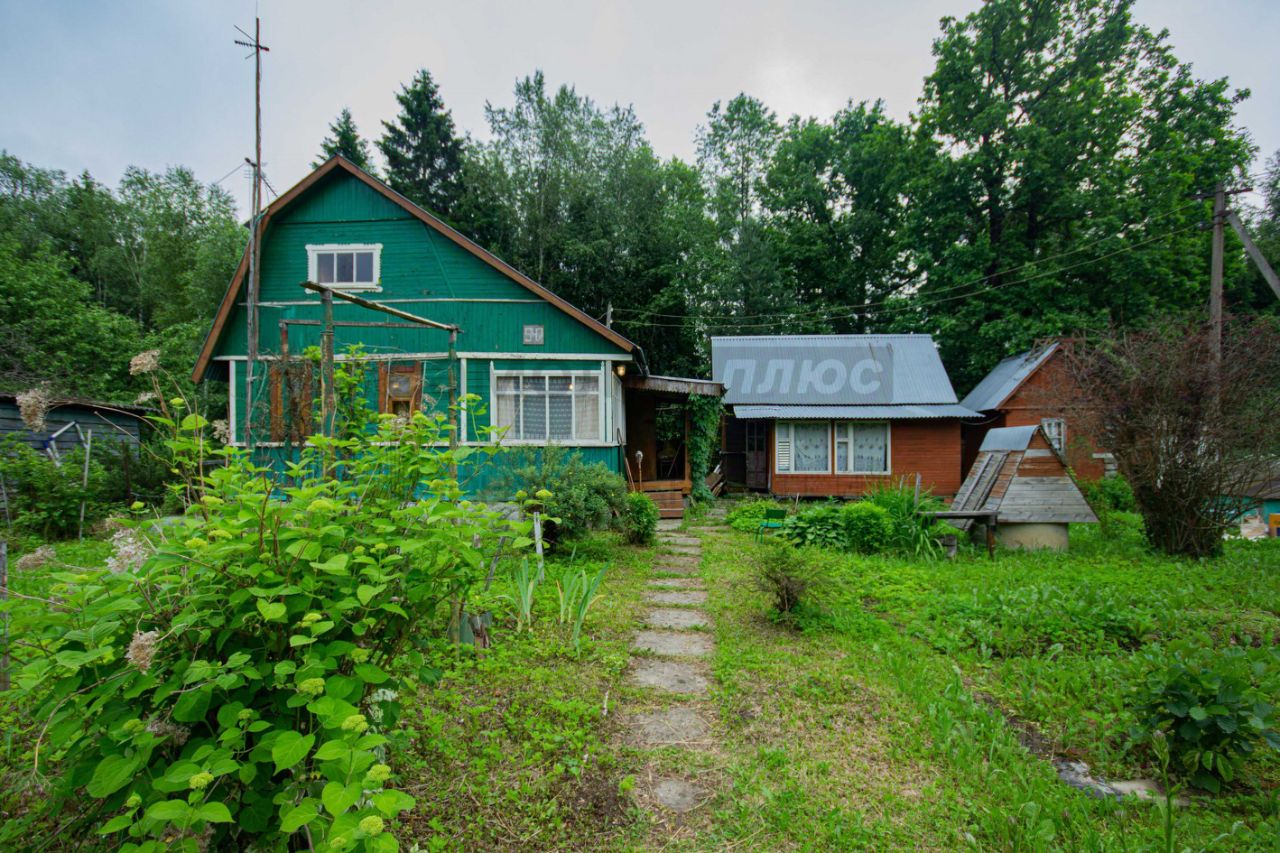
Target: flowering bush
[227, 681]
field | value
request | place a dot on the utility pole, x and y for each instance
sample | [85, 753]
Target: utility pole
[1215, 271]
[255, 254]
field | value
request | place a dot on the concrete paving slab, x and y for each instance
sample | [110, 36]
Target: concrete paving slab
[667, 617]
[686, 541]
[669, 675]
[676, 583]
[676, 726]
[696, 597]
[685, 644]
[677, 795]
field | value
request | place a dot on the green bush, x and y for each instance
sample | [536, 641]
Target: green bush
[819, 525]
[867, 527]
[230, 681]
[912, 529]
[800, 582]
[1109, 494]
[640, 519]
[1210, 706]
[44, 497]
[748, 514]
[584, 496]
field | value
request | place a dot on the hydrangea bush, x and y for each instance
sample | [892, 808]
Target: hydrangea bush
[230, 680]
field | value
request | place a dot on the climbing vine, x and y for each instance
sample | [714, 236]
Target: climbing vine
[704, 441]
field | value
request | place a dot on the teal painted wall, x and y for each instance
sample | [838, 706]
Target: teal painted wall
[421, 272]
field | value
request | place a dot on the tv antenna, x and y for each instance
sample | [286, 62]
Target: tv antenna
[257, 48]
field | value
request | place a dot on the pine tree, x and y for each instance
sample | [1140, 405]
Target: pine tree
[344, 139]
[424, 157]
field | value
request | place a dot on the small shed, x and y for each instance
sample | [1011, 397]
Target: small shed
[1019, 475]
[109, 422]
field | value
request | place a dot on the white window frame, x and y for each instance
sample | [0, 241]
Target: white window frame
[313, 264]
[846, 428]
[602, 392]
[779, 427]
[1048, 425]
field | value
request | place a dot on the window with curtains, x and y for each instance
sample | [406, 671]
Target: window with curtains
[802, 447]
[862, 447]
[550, 407]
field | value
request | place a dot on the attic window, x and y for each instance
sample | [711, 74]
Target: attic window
[1055, 429]
[349, 266]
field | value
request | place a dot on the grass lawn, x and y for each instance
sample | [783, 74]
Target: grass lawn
[894, 718]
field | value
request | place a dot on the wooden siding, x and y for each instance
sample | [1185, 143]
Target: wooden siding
[928, 447]
[107, 425]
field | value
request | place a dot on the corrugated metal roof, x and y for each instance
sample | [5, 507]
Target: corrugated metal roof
[1005, 378]
[1008, 438]
[853, 413]
[859, 370]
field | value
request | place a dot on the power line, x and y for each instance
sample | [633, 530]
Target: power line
[962, 285]
[892, 306]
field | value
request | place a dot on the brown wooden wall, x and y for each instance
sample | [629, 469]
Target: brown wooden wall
[928, 447]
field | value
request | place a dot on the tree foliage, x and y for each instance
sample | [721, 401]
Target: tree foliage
[423, 154]
[344, 140]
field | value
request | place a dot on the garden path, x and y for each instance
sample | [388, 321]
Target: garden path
[672, 669]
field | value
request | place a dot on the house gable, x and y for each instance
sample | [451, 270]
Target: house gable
[427, 268]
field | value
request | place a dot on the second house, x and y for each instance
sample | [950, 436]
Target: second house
[836, 415]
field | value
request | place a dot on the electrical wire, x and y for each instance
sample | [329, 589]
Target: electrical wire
[899, 306]
[972, 283]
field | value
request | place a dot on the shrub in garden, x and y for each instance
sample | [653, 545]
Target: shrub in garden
[819, 525]
[584, 496]
[793, 578]
[867, 527]
[640, 519]
[748, 514]
[1212, 708]
[44, 496]
[912, 529]
[1109, 494]
[225, 683]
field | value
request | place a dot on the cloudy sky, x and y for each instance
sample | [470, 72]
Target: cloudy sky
[102, 85]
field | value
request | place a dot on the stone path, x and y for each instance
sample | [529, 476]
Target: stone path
[672, 668]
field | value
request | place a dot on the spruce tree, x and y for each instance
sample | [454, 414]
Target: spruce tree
[424, 156]
[344, 139]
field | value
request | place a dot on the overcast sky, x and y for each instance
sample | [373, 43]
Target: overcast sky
[102, 85]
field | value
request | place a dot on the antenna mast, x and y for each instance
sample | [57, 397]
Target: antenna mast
[258, 48]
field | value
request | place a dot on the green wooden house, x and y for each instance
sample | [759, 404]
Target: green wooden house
[545, 371]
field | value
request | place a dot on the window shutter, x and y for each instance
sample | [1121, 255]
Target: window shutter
[783, 445]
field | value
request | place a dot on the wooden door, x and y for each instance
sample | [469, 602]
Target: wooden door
[757, 454]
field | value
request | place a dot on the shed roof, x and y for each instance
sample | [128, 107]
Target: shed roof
[854, 413]
[1019, 475]
[831, 370]
[1005, 378]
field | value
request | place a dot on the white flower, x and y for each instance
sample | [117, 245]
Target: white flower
[145, 362]
[34, 404]
[222, 430]
[36, 559]
[144, 397]
[142, 648]
[131, 551]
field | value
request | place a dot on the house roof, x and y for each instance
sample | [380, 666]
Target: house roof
[853, 413]
[1008, 438]
[339, 163]
[832, 370]
[1005, 378]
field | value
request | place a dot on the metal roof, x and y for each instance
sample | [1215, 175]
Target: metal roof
[832, 370]
[1008, 438]
[853, 413]
[1005, 378]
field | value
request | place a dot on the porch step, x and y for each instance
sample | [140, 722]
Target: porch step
[670, 504]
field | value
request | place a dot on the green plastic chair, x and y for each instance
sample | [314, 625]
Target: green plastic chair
[772, 521]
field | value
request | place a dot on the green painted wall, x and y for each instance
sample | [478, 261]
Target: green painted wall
[422, 272]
